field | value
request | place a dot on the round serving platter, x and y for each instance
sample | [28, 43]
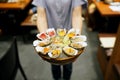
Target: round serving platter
[59, 48]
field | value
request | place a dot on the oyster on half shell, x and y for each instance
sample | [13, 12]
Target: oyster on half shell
[42, 50]
[70, 51]
[78, 45]
[55, 53]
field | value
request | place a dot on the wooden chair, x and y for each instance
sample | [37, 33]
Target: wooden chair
[103, 55]
[10, 63]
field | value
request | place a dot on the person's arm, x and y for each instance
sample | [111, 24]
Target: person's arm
[77, 18]
[41, 20]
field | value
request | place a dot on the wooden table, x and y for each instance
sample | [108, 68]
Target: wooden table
[104, 9]
[113, 17]
[16, 5]
[28, 23]
[18, 10]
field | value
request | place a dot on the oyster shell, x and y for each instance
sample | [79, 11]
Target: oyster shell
[78, 45]
[71, 33]
[70, 51]
[42, 50]
[43, 36]
[80, 38]
[51, 32]
[36, 42]
[61, 32]
[44, 43]
[55, 53]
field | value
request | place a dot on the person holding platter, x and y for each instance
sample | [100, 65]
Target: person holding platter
[59, 14]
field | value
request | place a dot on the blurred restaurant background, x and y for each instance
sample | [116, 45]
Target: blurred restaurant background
[99, 61]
